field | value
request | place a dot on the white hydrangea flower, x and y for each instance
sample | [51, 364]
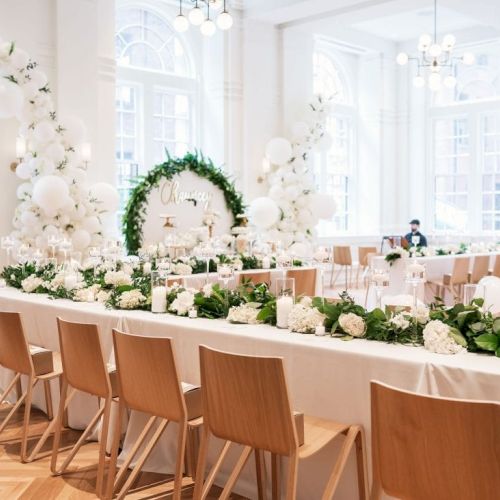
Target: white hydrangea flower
[131, 299]
[31, 283]
[102, 296]
[352, 324]
[207, 290]
[182, 269]
[245, 314]
[306, 301]
[400, 321]
[437, 338]
[182, 303]
[304, 319]
[117, 278]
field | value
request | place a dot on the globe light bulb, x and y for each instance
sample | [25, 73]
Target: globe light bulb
[468, 58]
[208, 28]
[449, 42]
[434, 81]
[450, 81]
[181, 23]
[419, 81]
[425, 41]
[402, 58]
[435, 50]
[196, 16]
[224, 20]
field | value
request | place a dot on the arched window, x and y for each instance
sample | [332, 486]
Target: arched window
[155, 93]
[466, 147]
[334, 168]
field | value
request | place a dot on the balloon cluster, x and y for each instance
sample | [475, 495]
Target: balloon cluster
[55, 197]
[293, 208]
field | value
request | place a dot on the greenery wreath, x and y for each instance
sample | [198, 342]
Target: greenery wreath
[136, 210]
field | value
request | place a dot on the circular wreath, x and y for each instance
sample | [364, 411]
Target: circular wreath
[136, 210]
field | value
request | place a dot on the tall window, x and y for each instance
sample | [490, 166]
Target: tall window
[466, 147]
[334, 168]
[155, 94]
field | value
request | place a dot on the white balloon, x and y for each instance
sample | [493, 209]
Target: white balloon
[55, 152]
[323, 206]
[279, 150]
[74, 130]
[44, 132]
[50, 193]
[306, 217]
[23, 171]
[293, 192]
[29, 218]
[325, 142]
[106, 196]
[276, 192]
[91, 224]
[39, 78]
[19, 58]
[41, 241]
[51, 230]
[30, 89]
[299, 249]
[24, 190]
[80, 239]
[264, 212]
[11, 99]
[300, 130]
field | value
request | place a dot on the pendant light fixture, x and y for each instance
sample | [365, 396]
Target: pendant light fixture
[196, 16]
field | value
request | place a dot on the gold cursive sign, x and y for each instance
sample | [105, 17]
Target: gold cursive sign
[170, 193]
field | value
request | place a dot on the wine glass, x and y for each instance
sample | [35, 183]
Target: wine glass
[7, 244]
[380, 280]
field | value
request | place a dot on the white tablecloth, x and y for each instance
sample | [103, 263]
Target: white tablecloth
[435, 268]
[327, 377]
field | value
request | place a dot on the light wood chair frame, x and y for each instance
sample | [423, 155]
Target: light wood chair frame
[342, 257]
[364, 262]
[480, 268]
[315, 427]
[102, 415]
[450, 283]
[305, 281]
[23, 365]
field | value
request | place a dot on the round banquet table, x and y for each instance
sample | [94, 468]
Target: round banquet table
[327, 377]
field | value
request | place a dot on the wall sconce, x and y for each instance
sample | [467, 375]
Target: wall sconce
[86, 152]
[20, 152]
[266, 168]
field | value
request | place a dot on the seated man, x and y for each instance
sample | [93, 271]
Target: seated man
[415, 231]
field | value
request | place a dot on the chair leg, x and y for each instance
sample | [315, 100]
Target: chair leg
[114, 452]
[200, 467]
[102, 447]
[361, 465]
[276, 474]
[293, 465]
[26, 420]
[20, 399]
[59, 424]
[366, 295]
[260, 469]
[181, 449]
[48, 399]
[245, 454]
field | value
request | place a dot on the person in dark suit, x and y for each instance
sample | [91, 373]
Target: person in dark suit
[415, 231]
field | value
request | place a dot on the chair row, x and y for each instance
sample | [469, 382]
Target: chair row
[419, 446]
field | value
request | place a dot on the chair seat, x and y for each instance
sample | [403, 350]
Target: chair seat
[57, 371]
[318, 433]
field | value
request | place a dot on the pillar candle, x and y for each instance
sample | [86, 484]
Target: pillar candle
[284, 306]
[159, 299]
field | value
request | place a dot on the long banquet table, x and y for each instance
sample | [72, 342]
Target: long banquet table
[327, 377]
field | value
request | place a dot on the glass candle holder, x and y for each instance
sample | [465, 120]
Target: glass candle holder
[158, 292]
[7, 244]
[284, 262]
[322, 259]
[53, 243]
[379, 278]
[225, 273]
[415, 275]
[65, 245]
[470, 291]
[285, 299]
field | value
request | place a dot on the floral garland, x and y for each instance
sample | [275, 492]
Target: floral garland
[440, 329]
[55, 199]
[135, 212]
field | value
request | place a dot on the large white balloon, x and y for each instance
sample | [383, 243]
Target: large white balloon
[106, 196]
[80, 239]
[24, 190]
[44, 132]
[264, 212]
[325, 142]
[50, 193]
[28, 218]
[11, 99]
[279, 150]
[91, 224]
[323, 206]
[55, 152]
[300, 130]
[23, 171]
[74, 130]
[19, 58]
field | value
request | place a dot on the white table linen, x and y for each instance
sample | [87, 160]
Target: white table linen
[327, 377]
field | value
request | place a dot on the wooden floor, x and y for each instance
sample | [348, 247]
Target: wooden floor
[33, 481]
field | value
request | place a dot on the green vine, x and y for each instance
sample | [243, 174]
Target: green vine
[136, 210]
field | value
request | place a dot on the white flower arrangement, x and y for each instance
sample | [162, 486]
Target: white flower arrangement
[207, 290]
[117, 278]
[131, 299]
[421, 314]
[438, 338]
[182, 303]
[244, 314]
[31, 283]
[352, 324]
[87, 294]
[304, 319]
[400, 321]
[182, 269]
[102, 296]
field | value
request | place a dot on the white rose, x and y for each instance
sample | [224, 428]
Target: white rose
[438, 338]
[182, 269]
[183, 302]
[352, 324]
[31, 283]
[245, 314]
[400, 321]
[421, 315]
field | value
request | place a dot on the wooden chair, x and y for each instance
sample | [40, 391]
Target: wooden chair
[305, 281]
[16, 355]
[343, 258]
[496, 267]
[256, 277]
[149, 383]
[84, 370]
[480, 268]
[363, 260]
[246, 401]
[453, 282]
[425, 447]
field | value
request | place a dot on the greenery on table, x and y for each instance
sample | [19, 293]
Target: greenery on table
[136, 210]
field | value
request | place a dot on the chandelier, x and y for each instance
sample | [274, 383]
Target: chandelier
[436, 64]
[199, 15]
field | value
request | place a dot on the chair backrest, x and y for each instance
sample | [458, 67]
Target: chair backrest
[460, 273]
[82, 359]
[305, 281]
[496, 267]
[363, 253]
[393, 308]
[426, 447]
[480, 268]
[256, 277]
[342, 255]
[148, 380]
[14, 351]
[245, 400]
